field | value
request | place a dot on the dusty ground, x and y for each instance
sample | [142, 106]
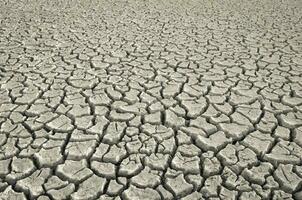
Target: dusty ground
[151, 100]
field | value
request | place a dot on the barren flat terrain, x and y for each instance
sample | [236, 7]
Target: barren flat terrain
[150, 100]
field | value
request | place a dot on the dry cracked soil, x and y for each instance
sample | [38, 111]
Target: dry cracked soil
[150, 100]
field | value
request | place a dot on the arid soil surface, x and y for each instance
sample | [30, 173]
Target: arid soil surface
[150, 100]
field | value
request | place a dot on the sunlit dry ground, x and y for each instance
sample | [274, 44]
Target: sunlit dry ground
[142, 100]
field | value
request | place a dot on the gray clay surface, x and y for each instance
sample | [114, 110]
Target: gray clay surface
[150, 100]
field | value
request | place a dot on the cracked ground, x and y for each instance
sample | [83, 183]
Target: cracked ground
[150, 100]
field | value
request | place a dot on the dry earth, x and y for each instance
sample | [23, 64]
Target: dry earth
[140, 100]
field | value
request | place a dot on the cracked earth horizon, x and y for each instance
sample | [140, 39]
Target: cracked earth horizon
[150, 100]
